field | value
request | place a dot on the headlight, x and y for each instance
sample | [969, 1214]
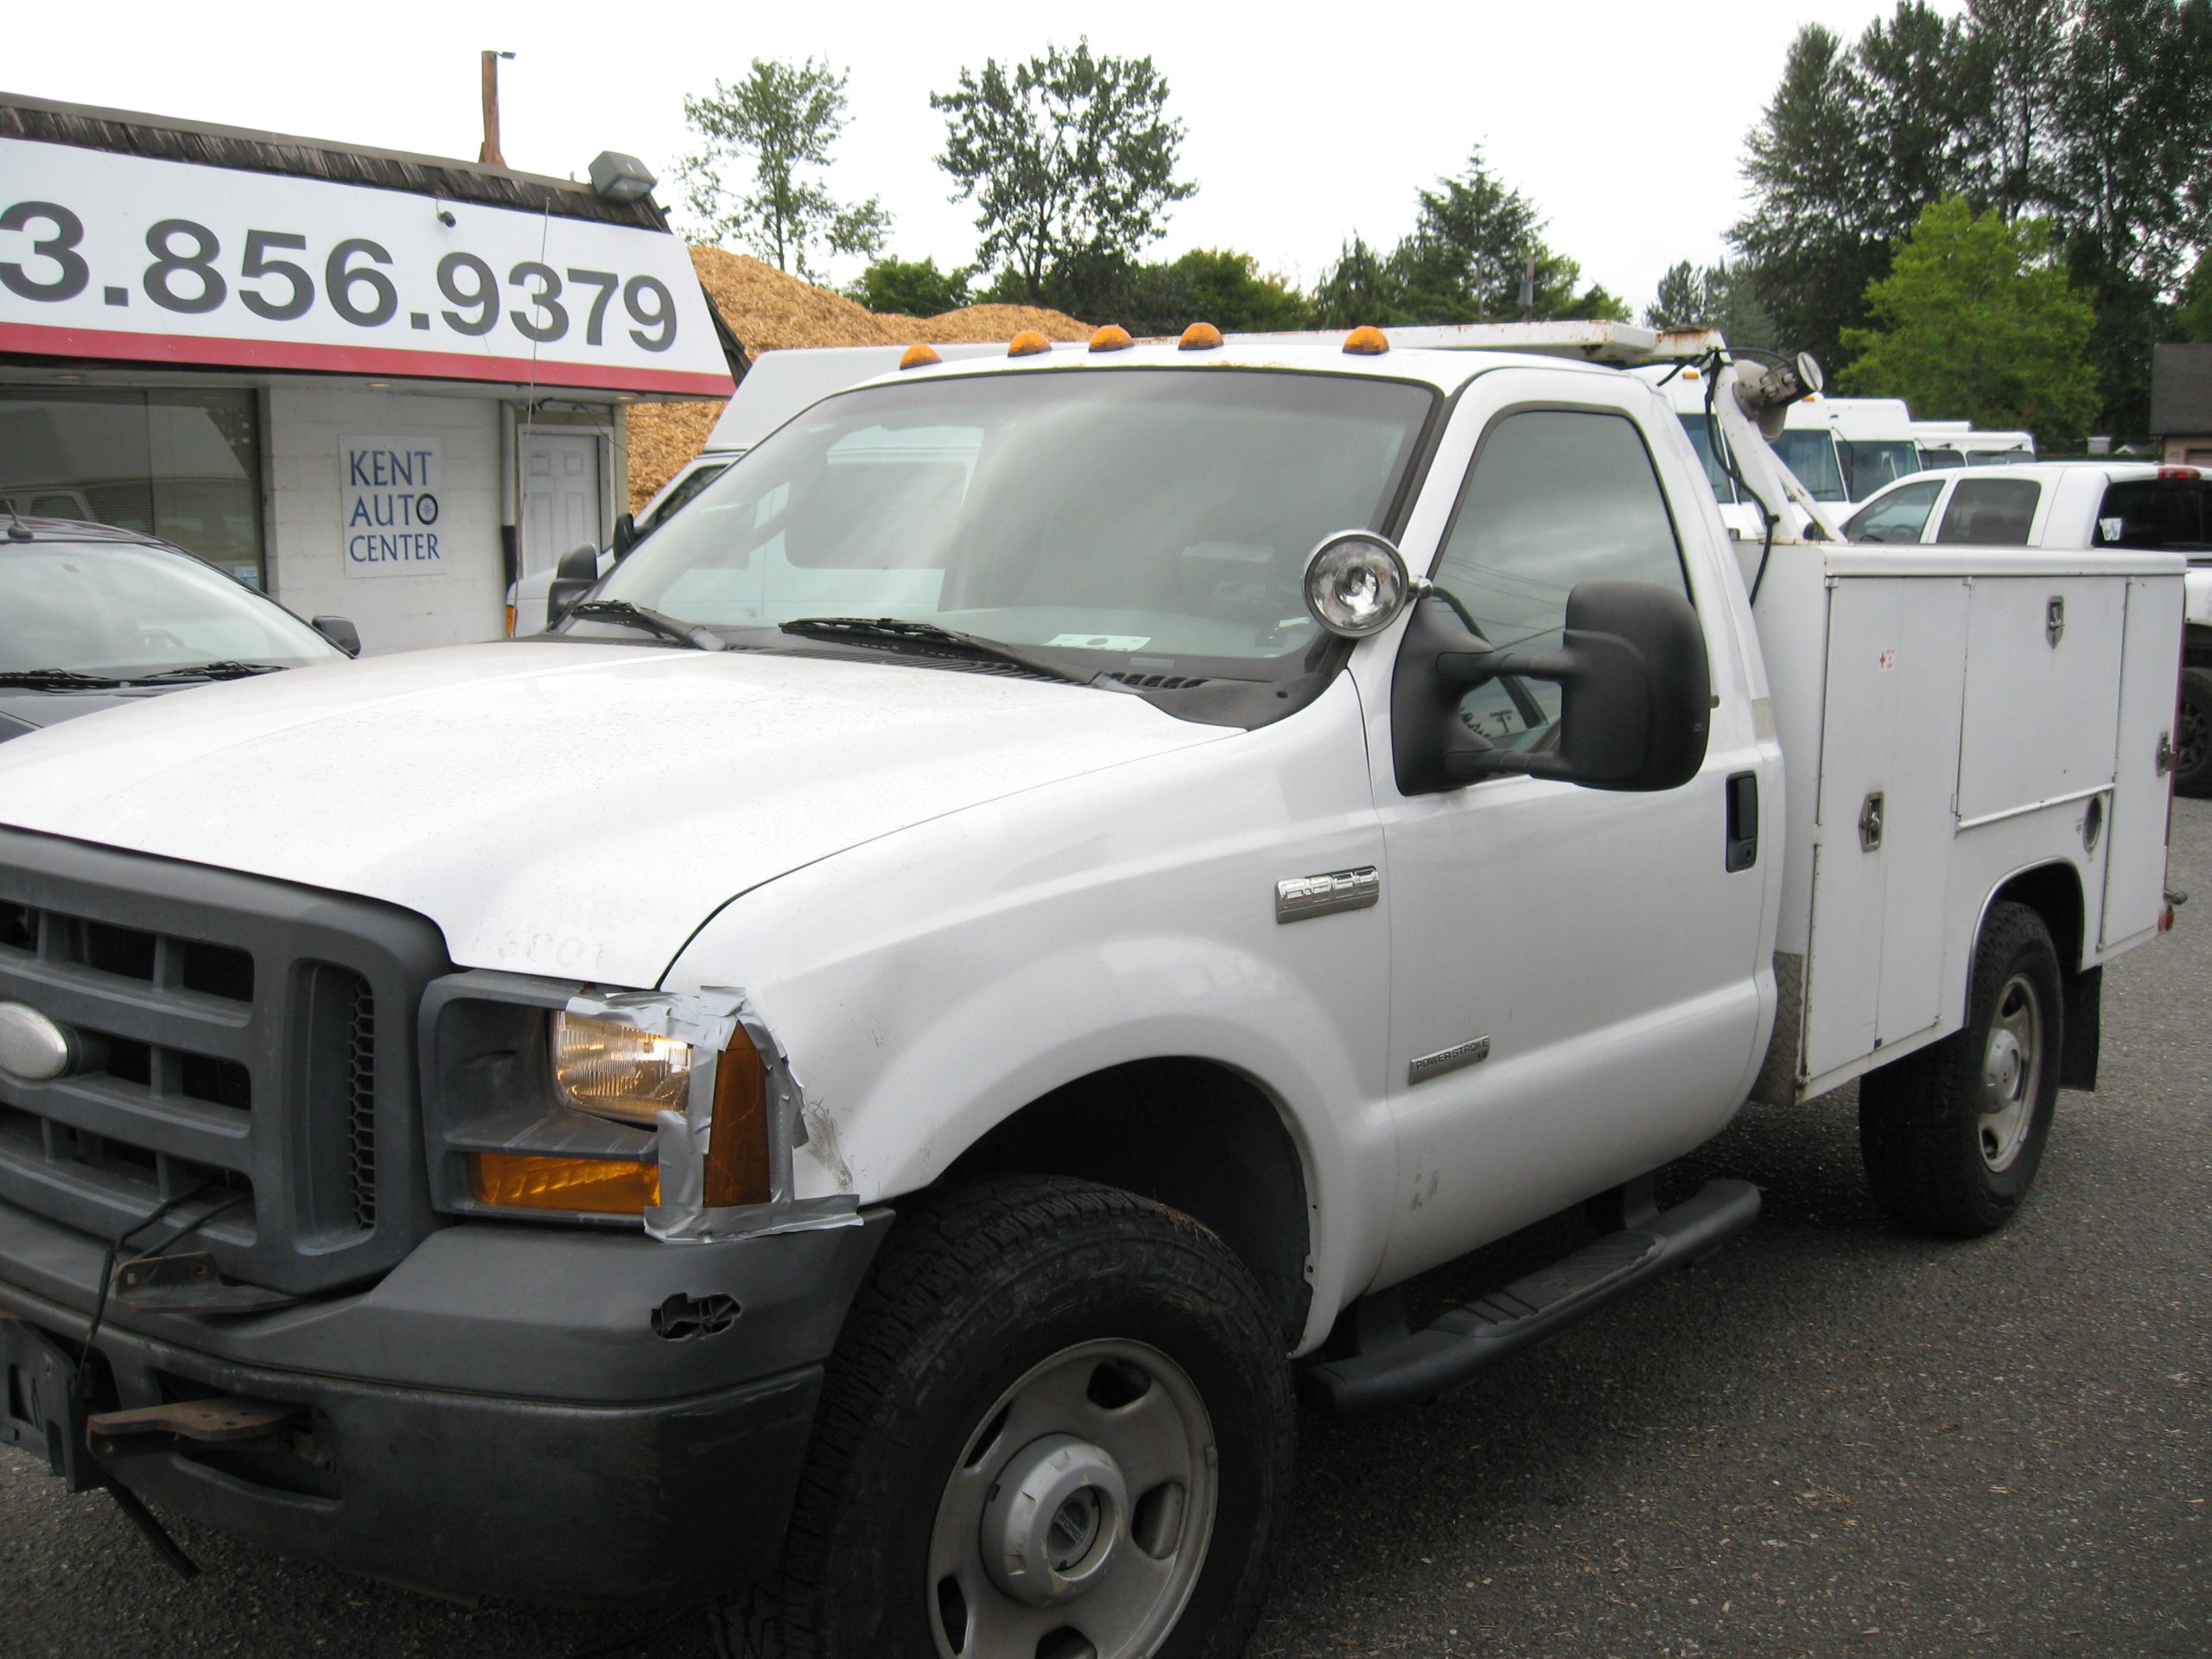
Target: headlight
[616, 1070]
[548, 1101]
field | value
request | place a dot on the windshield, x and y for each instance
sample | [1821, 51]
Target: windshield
[1871, 464]
[1149, 519]
[118, 609]
[1811, 456]
[1716, 472]
[684, 489]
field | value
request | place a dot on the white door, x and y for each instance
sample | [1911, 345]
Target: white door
[1574, 996]
[559, 496]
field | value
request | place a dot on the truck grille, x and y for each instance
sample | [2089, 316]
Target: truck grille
[239, 1035]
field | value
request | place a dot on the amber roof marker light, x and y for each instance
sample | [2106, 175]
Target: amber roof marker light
[1199, 337]
[919, 356]
[1367, 340]
[1112, 338]
[1028, 343]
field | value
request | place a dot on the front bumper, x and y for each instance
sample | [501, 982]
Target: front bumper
[505, 1417]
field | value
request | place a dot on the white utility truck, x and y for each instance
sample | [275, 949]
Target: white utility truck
[883, 1106]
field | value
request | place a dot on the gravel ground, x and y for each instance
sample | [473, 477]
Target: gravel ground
[1832, 1437]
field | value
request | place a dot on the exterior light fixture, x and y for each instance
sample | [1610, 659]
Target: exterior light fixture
[617, 177]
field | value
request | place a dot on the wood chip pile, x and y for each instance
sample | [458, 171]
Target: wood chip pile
[770, 311]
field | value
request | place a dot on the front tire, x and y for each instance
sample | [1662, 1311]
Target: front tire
[1951, 1134]
[1057, 1425]
[2193, 740]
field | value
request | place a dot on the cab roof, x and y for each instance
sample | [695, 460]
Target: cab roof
[1446, 370]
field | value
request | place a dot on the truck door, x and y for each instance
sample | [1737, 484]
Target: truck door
[1575, 990]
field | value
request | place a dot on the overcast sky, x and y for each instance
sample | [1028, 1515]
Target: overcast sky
[1623, 121]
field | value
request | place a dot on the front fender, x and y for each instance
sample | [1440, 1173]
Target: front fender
[929, 985]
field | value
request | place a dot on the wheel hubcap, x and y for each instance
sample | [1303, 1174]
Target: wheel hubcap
[1076, 1520]
[1054, 1520]
[2193, 733]
[2012, 1074]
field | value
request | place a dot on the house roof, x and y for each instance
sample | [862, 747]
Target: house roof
[164, 137]
[2181, 391]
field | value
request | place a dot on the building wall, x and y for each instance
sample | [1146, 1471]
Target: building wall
[2190, 451]
[463, 598]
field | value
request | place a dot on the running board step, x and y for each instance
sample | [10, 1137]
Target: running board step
[1415, 1364]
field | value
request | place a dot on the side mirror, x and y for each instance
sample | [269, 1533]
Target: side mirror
[1636, 702]
[340, 633]
[625, 536]
[573, 577]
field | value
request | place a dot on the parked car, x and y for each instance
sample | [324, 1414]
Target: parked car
[777, 386]
[884, 1103]
[2095, 503]
[93, 617]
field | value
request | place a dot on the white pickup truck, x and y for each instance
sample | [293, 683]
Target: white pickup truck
[869, 1063]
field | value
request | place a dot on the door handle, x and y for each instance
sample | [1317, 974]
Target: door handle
[1743, 845]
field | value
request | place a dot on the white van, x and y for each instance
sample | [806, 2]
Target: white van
[1873, 439]
[1807, 446]
[1956, 443]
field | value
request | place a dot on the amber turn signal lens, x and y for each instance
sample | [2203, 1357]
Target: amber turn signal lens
[594, 1186]
[1199, 337]
[1367, 340]
[737, 1144]
[1028, 343]
[1112, 338]
[919, 356]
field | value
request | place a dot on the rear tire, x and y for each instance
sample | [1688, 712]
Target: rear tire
[1951, 1134]
[1058, 1421]
[2193, 740]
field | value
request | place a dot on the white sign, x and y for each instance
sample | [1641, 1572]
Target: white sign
[110, 256]
[388, 495]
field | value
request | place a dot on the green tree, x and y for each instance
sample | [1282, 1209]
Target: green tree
[1470, 247]
[779, 122]
[910, 288]
[2013, 63]
[1363, 286]
[2090, 113]
[1214, 285]
[1977, 320]
[1909, 91]
[1721, 295]
[1806, 236]
[1070, 159]
[2133, 184]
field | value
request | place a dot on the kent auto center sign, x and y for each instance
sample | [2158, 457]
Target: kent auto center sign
[124, 256]
[388, 495]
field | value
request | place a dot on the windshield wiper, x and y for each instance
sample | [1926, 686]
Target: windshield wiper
[59, 679]
[668, 627]
[219, 671]
[895, 631]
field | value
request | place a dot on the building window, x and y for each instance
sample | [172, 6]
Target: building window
[184, 465]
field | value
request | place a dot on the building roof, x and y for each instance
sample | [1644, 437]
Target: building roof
[164, 137]
[2181, 391]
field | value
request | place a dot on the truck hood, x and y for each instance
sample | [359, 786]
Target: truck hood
[575, 810]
